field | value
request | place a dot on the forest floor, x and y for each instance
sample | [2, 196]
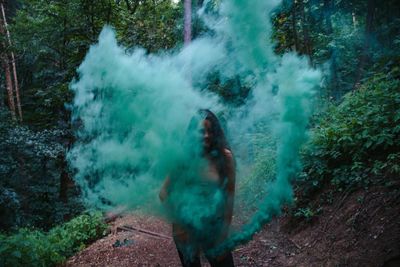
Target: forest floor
[359, 229]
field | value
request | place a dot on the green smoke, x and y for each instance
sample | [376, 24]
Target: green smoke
[131, 112]
[137, 119]
[296, 84]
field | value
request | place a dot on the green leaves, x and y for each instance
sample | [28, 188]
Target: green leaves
[357, 138]
[35, 248]
[307, 213]
[51, 39]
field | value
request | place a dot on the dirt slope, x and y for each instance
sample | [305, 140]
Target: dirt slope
[360, 229]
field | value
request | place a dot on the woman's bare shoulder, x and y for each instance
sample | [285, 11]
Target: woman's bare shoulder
[230, 167]
[228, 154]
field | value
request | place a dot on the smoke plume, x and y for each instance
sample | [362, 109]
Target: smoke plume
[137, 122]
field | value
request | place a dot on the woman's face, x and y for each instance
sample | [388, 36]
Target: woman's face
[207, 135]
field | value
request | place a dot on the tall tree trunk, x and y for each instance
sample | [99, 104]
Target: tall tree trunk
[65, 180]
[13, 63]
[5, 64]
[63, 50]
[187, 22]
[328, 11]
[109, 12]
[92, 20]
[294, 26]
[9, 85]
[369, 20]
[187, 32]
[306, 32]
[329, 7]
[154, 26]
[353, 16]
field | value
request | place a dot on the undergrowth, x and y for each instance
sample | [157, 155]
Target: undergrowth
[355, 144]
[28, 247]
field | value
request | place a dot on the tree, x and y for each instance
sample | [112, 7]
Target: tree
[294, 26]
[352, 36]
[188, 21]
[369, 20]
[5, 64]
[16, 87]
[9, 86]
[52, 39]
[307, 49]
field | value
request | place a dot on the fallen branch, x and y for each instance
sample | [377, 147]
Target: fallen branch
[131, 229]
[294, 243]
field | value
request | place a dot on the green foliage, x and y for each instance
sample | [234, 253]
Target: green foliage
[307, 213]
[153, 26]
[51, 39]
[337, 32]
[253, 184]
[358, 139]
[36, 248]
[31, 166]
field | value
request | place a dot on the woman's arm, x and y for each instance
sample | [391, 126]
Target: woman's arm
[164, 189]
[230, 188]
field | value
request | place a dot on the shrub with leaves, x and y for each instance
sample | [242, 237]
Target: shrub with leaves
[36, 248]
[255, 177]
[32, 162]
[358, 139]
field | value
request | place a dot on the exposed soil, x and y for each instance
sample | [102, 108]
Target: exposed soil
[359, 229]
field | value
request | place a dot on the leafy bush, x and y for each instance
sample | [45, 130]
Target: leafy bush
[255, 178]
[36, 248]
[358, 139]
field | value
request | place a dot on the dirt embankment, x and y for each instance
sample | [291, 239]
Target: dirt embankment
[358, 229]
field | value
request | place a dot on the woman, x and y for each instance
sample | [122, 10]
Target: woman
[202, 208]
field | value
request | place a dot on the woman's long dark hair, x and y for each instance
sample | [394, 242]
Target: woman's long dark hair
[218, 142]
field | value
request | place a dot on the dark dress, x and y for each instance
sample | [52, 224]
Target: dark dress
[198, 219]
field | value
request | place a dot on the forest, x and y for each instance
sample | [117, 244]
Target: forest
[96, 96]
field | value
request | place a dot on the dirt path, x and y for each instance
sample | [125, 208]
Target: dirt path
[154, 247]
[350, 232]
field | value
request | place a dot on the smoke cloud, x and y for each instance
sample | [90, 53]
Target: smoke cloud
[137, 118]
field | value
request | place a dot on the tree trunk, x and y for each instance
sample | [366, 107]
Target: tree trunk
[187, 21]
[109, 12]
[13, 64]
[92, 20]
[187, 32]
[63, 49]
[367, 36]
[9, 86]
[328, 10]
[329, 7]
[294, 27]
[5, 64]
[306, 32]
[65, 180]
